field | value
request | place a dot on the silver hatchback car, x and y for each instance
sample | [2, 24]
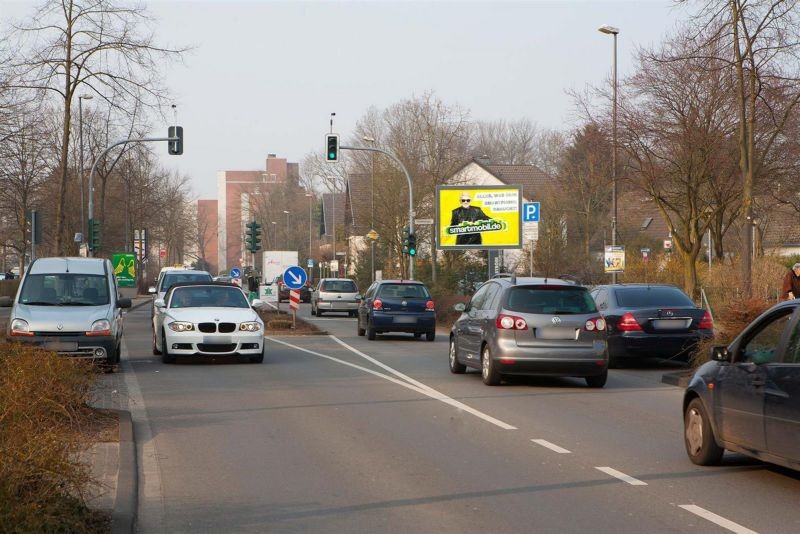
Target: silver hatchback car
[335, 295]
[530, 326]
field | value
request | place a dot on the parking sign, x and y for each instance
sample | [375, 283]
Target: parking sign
[530, 212]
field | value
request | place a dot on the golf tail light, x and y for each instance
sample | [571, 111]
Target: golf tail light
[595, 323]
[628, 323]
[377, 304]
[510, 322]
[429, 306]
[100, 328]
[706, 323]
[20, 327]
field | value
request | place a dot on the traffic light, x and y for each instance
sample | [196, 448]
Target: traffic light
[175, 148]
[332, 144]
[412, 244]
[406, 237]
[253, 237]
[94, 235]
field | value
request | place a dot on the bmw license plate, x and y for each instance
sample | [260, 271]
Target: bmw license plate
[217, 340]
[404, 319]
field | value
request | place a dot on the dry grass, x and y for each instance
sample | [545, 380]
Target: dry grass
[277, 322]
[44, 423]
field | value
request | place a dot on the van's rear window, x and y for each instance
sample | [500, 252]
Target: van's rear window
[64, 289]
[555, 300]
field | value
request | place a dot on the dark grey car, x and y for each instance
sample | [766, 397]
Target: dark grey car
[530, 326]
[747, 399]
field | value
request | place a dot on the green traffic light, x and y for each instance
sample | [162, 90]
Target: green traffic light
[331, 155]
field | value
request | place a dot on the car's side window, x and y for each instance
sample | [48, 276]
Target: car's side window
[792, 354]
[370, 291]
[496, 300]
[476, 303]
[762, 347]
[491, 295]
[601, 298]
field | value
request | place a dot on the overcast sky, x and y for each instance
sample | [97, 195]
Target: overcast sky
[265, 76]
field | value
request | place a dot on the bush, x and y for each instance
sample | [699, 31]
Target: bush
[43, 416]
[279, 324]
[729, 321]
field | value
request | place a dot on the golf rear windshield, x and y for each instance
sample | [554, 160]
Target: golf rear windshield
[403, 291]
[651, 297]
[550, 300]
[339, 286]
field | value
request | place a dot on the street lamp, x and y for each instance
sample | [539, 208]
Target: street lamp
[81, 98]
[274, 235]
[310, 203]
[369, 139]
[611, 30]
[286, 230]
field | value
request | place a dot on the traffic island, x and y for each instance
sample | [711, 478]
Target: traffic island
[279, 323]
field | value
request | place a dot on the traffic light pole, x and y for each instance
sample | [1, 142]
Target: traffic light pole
[103, 154]
[410, 194]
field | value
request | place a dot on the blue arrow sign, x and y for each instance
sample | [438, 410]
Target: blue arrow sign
[236, 273]
[294, 277]
[530, 212]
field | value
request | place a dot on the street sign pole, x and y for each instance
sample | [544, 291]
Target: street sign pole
[410, 194]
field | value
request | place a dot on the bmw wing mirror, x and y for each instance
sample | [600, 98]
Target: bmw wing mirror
[460, 307]
[720, 353]
[151, 290]
[159, 303]
[257, 304]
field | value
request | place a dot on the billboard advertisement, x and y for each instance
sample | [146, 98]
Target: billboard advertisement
[124, 269]
[478, 217]
[614, 261]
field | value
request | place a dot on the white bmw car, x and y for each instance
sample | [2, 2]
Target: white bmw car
[210, 319]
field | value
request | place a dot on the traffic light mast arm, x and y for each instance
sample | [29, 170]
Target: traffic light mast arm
[410, 191]
[106, 151]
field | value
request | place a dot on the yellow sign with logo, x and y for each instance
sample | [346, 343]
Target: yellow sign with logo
[478, 217]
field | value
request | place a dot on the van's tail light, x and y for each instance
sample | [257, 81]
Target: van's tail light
[429, 306]
[510, 322]
[706, 323]
[628, 323]
[377, 304]
[595, 323]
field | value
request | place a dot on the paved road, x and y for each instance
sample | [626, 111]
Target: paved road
[340, 434]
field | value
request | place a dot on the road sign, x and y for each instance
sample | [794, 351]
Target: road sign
[294, 277]
[294, 299]
[423, 222]
[310, 263]
[140, 244]
[372, 234]
[530, 212]
[162, 253]
[668, 244]
[236, 272]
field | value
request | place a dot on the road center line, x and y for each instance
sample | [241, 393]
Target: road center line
[552, 446]
[719, 520]
[622, 476]
[407, 382]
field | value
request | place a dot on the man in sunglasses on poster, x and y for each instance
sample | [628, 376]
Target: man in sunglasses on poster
[468, 213]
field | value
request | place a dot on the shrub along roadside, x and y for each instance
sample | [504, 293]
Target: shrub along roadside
[43, 420]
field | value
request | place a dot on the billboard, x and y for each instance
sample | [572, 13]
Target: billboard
[614, 261]
[478, 217]
[124, 269]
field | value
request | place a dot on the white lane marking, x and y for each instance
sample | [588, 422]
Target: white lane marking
[552, 446]
[719, 520]
[410, 384]
[435, 394]
[151, 494]
[622, 476]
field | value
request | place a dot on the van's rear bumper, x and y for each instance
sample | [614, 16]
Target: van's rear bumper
[74, 346]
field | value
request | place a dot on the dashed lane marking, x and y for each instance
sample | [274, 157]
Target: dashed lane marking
[622, 476]
[716, 519]
[552, 446]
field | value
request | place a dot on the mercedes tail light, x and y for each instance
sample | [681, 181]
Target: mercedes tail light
[628, 323]
[377, 304]
[595, 324]
[707, 322]
[510, 322]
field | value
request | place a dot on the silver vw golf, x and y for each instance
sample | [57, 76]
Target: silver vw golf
[530, 326]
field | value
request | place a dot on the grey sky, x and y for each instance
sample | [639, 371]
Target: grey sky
[264, 76]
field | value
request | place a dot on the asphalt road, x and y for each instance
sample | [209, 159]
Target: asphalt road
[340, 434]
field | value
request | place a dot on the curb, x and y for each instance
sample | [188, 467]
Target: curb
[678, 378]
[123, 517]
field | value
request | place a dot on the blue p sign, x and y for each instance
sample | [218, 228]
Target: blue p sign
[530, 212]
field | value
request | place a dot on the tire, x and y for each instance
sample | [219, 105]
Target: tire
[698, 436]
[597, 381]
[352, 314]
[456, 367]
[417, 335]
[313, 311]
[259, 358]
[430, 335]
[360, 331]
[156, 350]
[166, 357]
[319, 312]
[370, 331]
[489, 373]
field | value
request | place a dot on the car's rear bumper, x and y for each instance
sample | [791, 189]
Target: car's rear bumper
[551, 361]
[642, 344]
[334, 305]
[404, 322]
[86, 347]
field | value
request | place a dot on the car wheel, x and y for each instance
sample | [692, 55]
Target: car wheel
[456, 367]
[597, 381]
[259, 358]
[313, 311]
[698, 436]
[319, 312]
[352, 314]
[370, 331]
[166, 357]
[430, 335]
[156, 350]
[360, 331]
[417, 335]
[489, 373]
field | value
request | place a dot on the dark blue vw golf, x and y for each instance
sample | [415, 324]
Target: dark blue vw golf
[397, 306]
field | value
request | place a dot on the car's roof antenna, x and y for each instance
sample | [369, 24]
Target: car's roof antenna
[513, 279]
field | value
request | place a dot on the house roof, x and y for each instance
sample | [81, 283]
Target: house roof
[637, 212]
[359, 203]
[781, 225]
[530, 177]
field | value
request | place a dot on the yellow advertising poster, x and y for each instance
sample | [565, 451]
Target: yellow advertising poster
[478, 217]
[614, 261]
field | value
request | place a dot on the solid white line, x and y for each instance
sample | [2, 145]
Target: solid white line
[409, 383]
[719, 520]
[552, 446]
[622, 476]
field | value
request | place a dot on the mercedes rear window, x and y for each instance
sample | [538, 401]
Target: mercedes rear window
[651, 297]
[550, 300]
[339, 286]
[403, 291]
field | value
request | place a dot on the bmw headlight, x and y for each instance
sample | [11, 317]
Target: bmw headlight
[180, 326]
[250, 327]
